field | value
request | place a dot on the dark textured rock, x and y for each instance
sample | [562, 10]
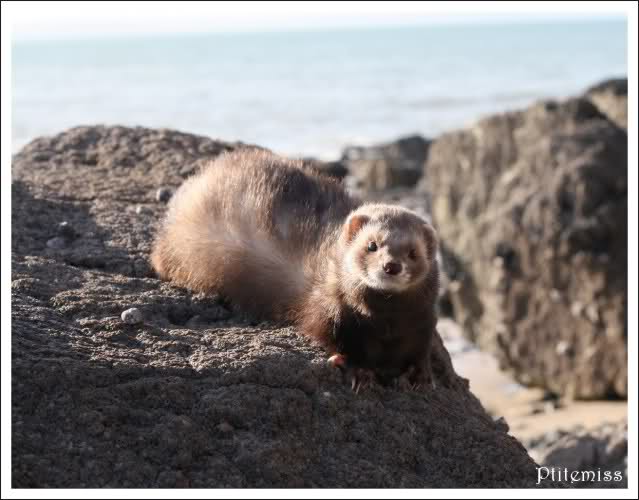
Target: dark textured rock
[611, 97]
[100, 403]
[66, 230]
[395, 164]
[533, 208]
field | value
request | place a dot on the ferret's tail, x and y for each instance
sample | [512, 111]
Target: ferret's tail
[243, 265]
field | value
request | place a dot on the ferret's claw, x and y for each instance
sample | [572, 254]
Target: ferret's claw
[416, 378]
[361, 379]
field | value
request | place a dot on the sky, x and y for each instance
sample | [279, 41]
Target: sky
[51, 20]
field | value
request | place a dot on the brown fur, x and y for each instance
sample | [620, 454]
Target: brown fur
[286, 243]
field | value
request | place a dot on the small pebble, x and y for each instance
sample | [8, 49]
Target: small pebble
[543, 407]
[66, 230]
[562, 347]
[502, 424]
[225, 428]
[57, 243]
[132, 316]
[592, 312]
[576, 308]
[552, 437]
[141, 210]
[163, 194]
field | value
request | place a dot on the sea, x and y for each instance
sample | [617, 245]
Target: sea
[309, 93]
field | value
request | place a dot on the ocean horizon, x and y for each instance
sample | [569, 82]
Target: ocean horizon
[309, 93]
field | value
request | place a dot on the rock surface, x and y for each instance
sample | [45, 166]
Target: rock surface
[533, 208]
[393, 165]
[192, 396]
[335, 169]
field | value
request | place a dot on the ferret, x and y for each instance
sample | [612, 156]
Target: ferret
[287, 243]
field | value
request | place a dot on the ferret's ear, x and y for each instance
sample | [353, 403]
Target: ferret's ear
[431, 238]
[352, 226]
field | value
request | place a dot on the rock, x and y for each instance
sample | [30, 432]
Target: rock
[128, 154]
[103, 405]
[543, 407]
[395, 164]
[528, 203]
[143, 210]
[225, 428]
[164, 194]
[501, 422]
[66, 230]
[132, 316]
[57, 243]
[611, 97]
[335, 169]
[563, 348]
[601, 450]
[212, 314]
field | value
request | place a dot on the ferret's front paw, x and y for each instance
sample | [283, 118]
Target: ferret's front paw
[416, 378]
[360, 378]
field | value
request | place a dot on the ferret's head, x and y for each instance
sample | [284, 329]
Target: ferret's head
[388, 248]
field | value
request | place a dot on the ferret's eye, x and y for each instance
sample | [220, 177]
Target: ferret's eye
[372, 246]
[412, 254]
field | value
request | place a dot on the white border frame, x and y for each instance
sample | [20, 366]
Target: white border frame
[434, 8]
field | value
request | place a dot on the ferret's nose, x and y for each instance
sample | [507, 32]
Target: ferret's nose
[392, 268]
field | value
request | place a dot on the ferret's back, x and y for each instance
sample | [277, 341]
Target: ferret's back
[249, 225]
[263, 191]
